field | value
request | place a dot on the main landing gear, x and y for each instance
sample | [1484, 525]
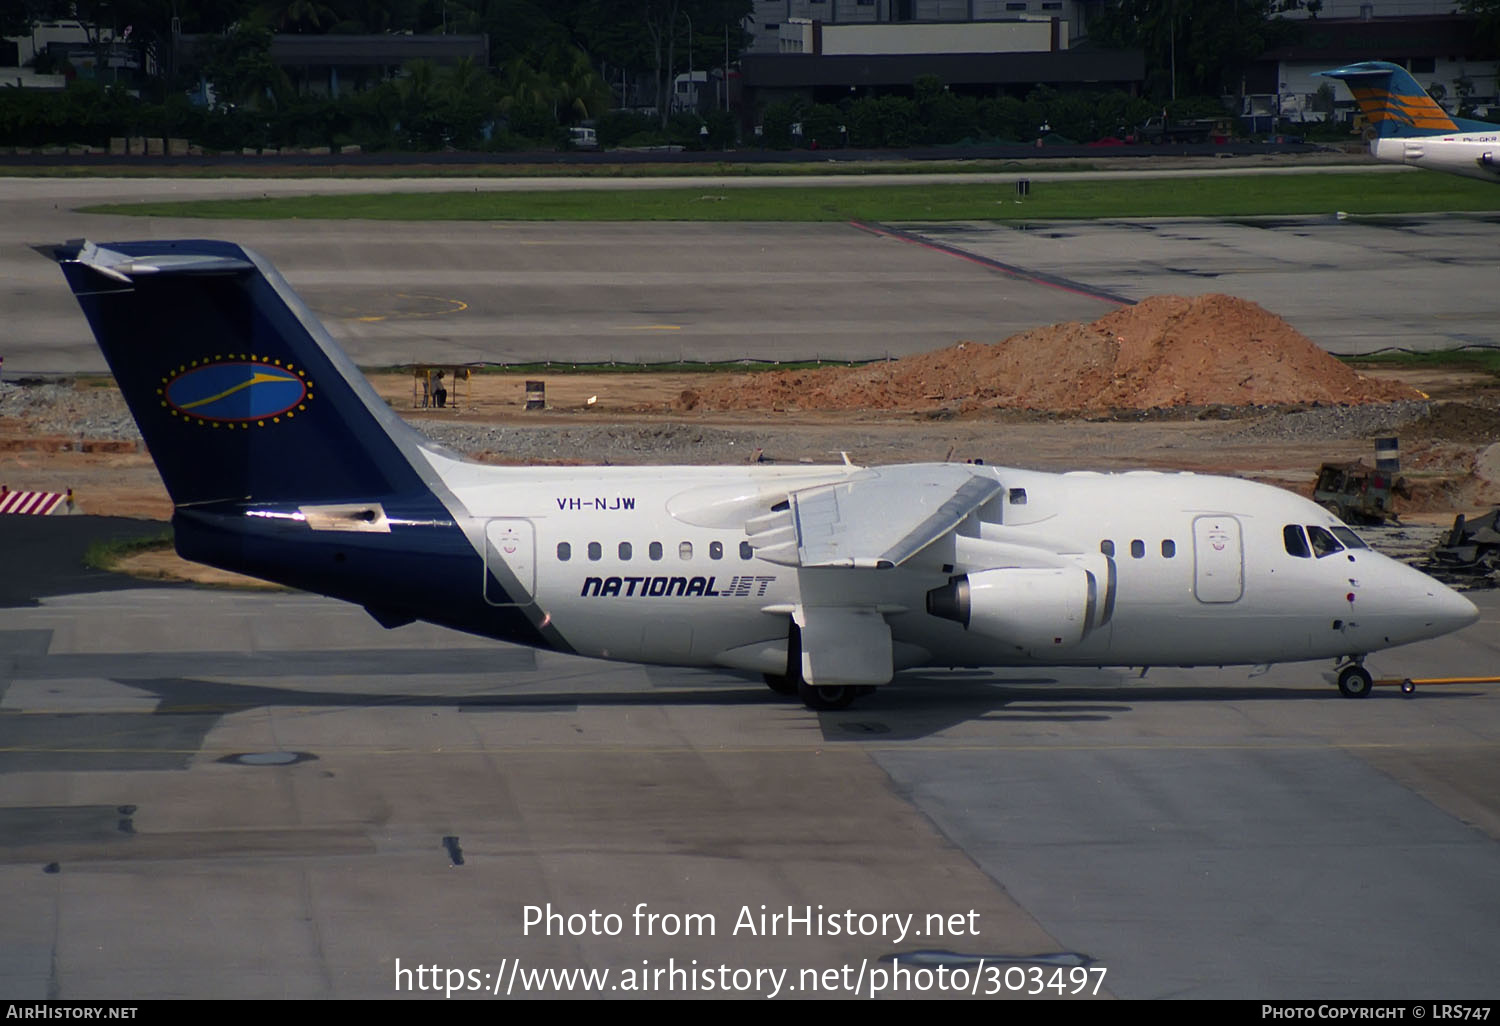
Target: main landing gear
[781, 683]
[1354, 680]
[819, 697]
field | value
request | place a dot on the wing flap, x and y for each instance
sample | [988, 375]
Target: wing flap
[844, 645]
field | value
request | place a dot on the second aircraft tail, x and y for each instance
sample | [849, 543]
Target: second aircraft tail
[1395, 105]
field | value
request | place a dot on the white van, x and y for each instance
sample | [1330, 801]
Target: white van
[582, 138]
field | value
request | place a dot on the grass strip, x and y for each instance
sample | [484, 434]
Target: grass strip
[1485, 360]
[1158, 196]
[107, 554]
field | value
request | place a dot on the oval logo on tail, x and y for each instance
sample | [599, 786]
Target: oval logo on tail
[237, 391]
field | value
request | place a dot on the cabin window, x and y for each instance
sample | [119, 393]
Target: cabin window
[1107, 547]
[1018, 496]
[715, 550]
[1349, 538]
[685, 550]
[564, 552]
[1295, 542]
[596, 551]
[746, 552]
[1323, 543]
[654, 550]
[625, 550]
[1138, 549]
[1168, 548]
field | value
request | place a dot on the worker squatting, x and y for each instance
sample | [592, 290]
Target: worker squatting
[751, 921]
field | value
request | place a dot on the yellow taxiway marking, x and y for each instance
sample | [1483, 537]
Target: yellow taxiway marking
[454, 306]
[652, 327]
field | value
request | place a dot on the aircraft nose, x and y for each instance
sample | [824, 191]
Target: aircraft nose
[1449, 610]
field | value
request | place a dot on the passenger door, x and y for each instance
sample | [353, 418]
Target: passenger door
[509, 562]
[1218, 558]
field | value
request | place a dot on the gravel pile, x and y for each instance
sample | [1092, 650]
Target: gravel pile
[62, 409]
[101, 414]
[649, 444]
[1330, 422]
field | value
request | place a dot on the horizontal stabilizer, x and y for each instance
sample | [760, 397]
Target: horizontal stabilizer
[124, 267]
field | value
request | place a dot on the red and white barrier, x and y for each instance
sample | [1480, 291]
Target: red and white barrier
[37, 503]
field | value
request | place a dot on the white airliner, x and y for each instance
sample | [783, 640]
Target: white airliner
[283, 463]
[1410, 128]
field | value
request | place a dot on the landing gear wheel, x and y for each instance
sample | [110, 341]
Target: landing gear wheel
[781, 683]
[789, 682]
[1355, 681]
[825, 697]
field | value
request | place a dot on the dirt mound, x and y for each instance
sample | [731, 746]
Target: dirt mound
[1463, 422]
[1165, 351]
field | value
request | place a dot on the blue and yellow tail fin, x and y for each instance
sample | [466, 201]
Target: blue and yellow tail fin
[1395, 105]
[238, 390]
[281, 459]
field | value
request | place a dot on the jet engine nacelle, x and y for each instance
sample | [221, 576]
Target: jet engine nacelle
[1035, 609]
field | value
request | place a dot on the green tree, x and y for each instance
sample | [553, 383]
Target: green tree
[1195, 46]
[516, 28]
[298, 16]
[777, 121]
[942, 115]
[239, 67]
[653, 35]
[528, 99]
[1488, 13]
[18, 16]
[579, 92]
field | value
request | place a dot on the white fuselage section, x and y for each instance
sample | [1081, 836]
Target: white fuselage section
[1472, 154]
[652, 564]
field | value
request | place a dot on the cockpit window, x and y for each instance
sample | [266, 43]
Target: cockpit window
[1349, 538]
[1323, 543]
[1295, 541]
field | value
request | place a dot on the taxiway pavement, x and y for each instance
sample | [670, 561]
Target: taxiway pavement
[494, 292]
[219, 794]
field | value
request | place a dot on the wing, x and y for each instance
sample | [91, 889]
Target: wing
[877, 519]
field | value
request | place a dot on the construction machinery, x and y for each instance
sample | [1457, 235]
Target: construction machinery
[1357, 494]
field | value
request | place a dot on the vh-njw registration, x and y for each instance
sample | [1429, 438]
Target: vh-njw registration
[750, 921]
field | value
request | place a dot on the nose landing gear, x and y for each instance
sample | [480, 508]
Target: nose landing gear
[1354, 680]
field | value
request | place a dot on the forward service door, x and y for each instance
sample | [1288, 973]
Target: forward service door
[1218, 559]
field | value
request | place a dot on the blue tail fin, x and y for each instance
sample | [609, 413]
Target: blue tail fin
[1395, 105]
[281, 460]
[238, 390]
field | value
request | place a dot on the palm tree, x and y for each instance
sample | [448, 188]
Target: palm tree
[580, 90]
[526, 96]
[298, 15]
